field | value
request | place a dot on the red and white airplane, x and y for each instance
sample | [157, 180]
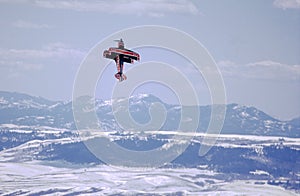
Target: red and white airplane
[121, 55]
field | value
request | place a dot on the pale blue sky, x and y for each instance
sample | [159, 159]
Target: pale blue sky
[255, 43]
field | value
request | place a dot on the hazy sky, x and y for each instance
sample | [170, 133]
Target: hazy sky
[255, 43]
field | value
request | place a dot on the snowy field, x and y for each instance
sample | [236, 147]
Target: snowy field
[58, 178]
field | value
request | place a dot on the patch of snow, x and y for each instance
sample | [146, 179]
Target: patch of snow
[237, 107]
[259, 172]
[244, 114]
[108, 102]
[54, 105]
[140, 96]
[3, 101]
[21, 131]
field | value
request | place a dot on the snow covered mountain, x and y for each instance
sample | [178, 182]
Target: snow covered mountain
[22, 109]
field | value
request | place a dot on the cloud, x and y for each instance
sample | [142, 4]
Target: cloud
[14, 1]
[152, 8]
[268, 70]
[287, 4]
[14, 69]
[30, 25]
[52, 50]
[35, 59]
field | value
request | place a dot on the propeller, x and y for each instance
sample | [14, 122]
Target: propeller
[118, 40]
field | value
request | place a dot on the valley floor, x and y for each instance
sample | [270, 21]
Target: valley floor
[60, 178]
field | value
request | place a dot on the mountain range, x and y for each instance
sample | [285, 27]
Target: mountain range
[26, 110]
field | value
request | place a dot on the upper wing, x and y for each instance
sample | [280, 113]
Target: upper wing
[129, 55]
